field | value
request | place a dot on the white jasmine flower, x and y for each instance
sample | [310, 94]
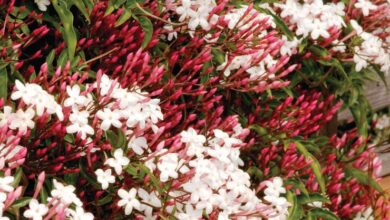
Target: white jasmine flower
[42, 4]
[194, 142]
[79, 214]
[74, 98]
[36, 210]
[138, 145]
[185, 10]
[24, 92]
[109, 118]
[118, 161]
[128, 200]
[172, 33]
[190, 213]
[79, 120]
[65, 193]
[228, 141]
[274, 187]
[5, 116]
[22, 120]
[104, 177]
[366, 215]
[168, 165]
[5, 183]
[149, 200]
[366, 6]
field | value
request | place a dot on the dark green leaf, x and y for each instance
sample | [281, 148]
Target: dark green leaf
[295, 211]
[147, 27]
[126, 14]
[17, 177]
[363, 178]
[315, 165]
[278, 21]
[81, 6]
[324, 214]
[104, 200]
[314, 197]
[3, 83]
[68, 30]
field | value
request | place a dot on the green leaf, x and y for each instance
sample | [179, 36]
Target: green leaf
[322, 213]
[218, 55]
[363, 178]
[89, 179]
[117, 140]
[81, 6]
[147, 27]
[121, 142]
[295, 210]
[314, 197]
[104, 200]
[71, 178]
[315, 165]
[19, 203]
[43, 195]
[17, 177]
[261, 131]
[153, 178]
[319, 51]
[297, 185]
[126, 14]
[131, 170]
[69, 138]
[3, 83]
[278, 21]
[68, 30]
[255, 172]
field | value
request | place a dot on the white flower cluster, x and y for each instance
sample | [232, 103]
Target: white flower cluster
[35, 98]
[197, 12]
[241, 19]
[238, 21]
[217, 183]
[273, 194]
[132, 108]
[313, 18]
[372, 50]
[63, 200]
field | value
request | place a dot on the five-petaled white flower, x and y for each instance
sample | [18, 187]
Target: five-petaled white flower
[118, 161]
[104, 177]
[109, 118]
[128, 200]
[65, 193]
[194, 142]
[168, 165]
[79, 124]
[22, 120]
[366, 6]
[36, 210]
[74, 96]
